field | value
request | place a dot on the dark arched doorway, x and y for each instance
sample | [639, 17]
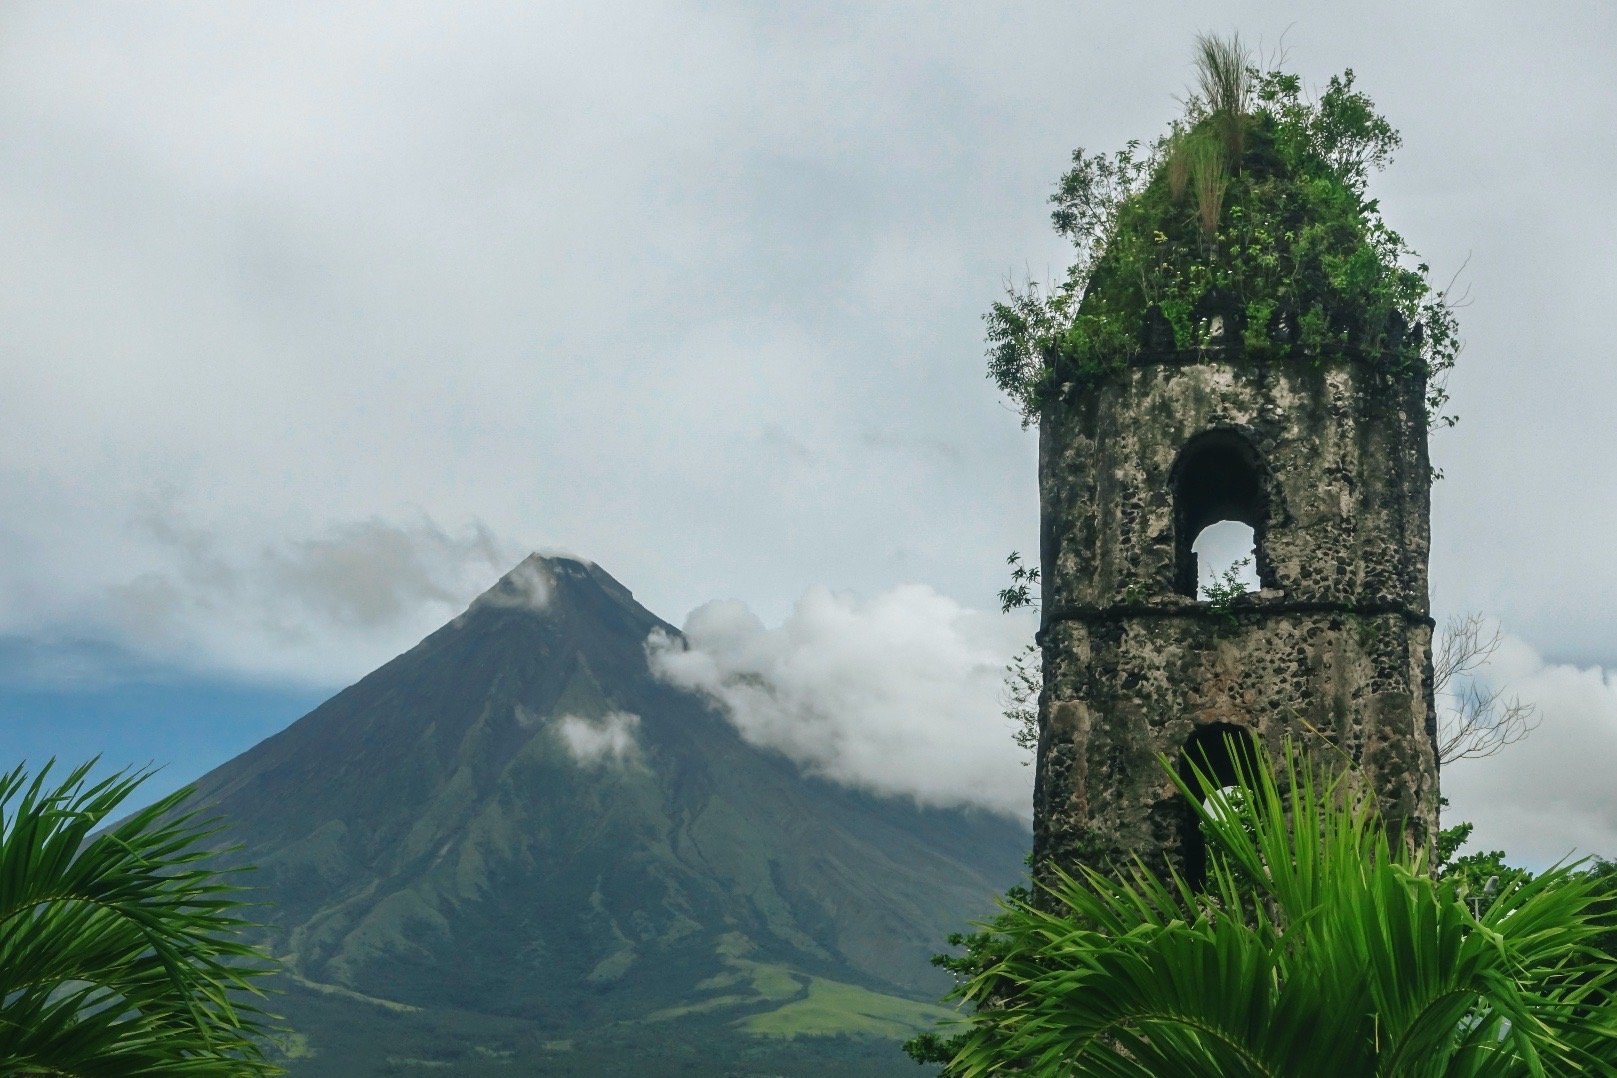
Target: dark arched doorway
[1223, 752]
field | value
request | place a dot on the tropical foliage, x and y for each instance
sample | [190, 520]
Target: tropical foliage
[1317, 946]
[119, 950]
[1248, 226]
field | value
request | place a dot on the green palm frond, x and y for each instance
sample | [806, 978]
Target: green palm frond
[1317, 946]
[120, 951]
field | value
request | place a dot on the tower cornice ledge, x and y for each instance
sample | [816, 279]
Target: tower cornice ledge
[1377, 361]
[1093, 614]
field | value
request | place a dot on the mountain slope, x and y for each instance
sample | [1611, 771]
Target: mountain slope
[515, 827]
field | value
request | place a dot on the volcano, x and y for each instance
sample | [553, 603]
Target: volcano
[513, 850]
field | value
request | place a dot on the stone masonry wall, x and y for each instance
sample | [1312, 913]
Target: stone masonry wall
[1335, 649]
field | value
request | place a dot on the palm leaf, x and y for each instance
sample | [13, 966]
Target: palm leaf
[1317, 946]
[120, 949]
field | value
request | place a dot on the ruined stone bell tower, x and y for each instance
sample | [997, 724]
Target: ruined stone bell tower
[1324, 456]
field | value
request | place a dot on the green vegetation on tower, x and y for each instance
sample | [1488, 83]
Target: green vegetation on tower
[1247, 228]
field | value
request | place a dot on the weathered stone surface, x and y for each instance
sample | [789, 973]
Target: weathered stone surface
[1327, 460]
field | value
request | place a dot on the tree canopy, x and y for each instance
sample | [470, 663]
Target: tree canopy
[1248, 226]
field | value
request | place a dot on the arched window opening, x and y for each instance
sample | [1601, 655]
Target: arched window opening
[1226, 554]
[1221, 751]
[1220, 512]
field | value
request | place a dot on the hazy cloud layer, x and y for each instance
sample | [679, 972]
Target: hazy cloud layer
[1551, 794]
[305, 608]
[898, 694]
[613, 738]
[696, 289]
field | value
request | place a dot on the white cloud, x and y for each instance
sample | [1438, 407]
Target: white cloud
[527, 586]
[609, 739]
[1553, 793]
[898, 694]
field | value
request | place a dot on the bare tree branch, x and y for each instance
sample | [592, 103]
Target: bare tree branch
[1475, 719]
[1024, 677]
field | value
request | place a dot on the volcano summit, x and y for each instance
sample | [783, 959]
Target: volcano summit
[514, 850]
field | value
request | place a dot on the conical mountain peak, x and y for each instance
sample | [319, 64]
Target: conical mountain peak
[566, 588]
[530, 584]
[517, 824]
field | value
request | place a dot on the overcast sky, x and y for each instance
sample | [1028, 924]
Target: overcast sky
[315, 318]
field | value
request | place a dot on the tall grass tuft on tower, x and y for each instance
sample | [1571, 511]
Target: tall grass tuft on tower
[1224, 81]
